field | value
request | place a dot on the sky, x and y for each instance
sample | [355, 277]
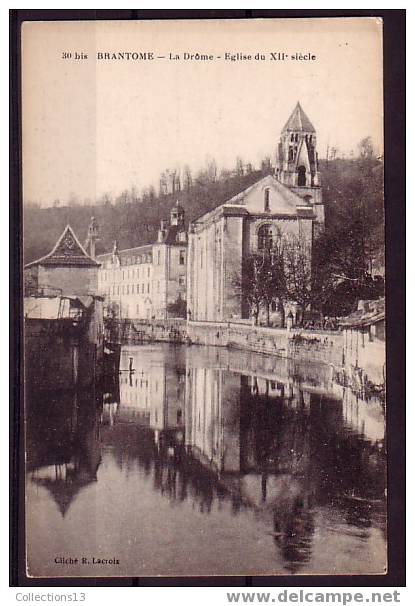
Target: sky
[95, 126]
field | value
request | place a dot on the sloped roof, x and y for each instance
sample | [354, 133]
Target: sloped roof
[289, 204]
[299, 121]
[369, 312]
[67, 252]
[289, 199]
[128, 253]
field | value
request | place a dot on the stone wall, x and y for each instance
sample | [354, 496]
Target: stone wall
[302, 345]
[326, 347]
[136, 332]
[319, 346]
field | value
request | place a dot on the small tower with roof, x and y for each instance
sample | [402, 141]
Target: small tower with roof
[177, 216]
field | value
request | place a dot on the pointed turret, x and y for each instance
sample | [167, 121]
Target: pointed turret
[297, 161]
[92, 237]
[298, 121]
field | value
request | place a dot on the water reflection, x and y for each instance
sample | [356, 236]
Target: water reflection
[266, 467]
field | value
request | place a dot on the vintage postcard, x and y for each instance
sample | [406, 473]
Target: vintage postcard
[204, 307]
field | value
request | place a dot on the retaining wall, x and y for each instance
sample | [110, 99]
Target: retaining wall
[313, 345]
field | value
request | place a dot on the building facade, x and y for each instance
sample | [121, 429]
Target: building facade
[67, 270]
[148, 282]
[283, 206]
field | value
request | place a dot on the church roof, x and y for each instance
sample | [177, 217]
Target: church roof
[299, 121]
[288, 199]
[284, 203]
[67, 252]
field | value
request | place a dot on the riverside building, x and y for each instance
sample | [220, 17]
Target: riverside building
[148, 282]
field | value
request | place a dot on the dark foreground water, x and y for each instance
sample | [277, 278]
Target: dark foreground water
[204, 461]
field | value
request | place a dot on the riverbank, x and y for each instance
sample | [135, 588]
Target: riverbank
[325, 347]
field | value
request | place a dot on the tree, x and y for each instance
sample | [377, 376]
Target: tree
[263, 280]
[272, 278]
[239, 168]
[163, 184]
[187, 178]
[266, 166]
[178, 308]
[212, 170]
[365, 147]
[249, 286]
[298, 271]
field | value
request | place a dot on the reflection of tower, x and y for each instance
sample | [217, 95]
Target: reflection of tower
[212, 416]
[64, 454]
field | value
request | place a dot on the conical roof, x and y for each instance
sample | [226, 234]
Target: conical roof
[298, 121]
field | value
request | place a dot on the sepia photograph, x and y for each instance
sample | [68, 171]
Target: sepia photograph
[204, 298]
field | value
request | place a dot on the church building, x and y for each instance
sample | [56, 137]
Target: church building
[285, 204]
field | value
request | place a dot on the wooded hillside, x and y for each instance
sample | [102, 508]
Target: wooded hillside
[352, 192]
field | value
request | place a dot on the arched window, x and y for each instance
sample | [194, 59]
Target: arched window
[291, 154]
[265, 237]
[301, 176]
[266, 200]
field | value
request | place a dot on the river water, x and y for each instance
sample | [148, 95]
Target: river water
[205, 461]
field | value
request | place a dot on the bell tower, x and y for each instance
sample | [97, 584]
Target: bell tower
[297, 160]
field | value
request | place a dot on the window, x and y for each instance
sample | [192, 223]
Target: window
[148, 287]
[181, 257]
[301, 176]
[148, 272]
[266, 200]
[265, 237]
[182, 280]
[128, 289]
[142, 288]
[201, 258]
[291, 154]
